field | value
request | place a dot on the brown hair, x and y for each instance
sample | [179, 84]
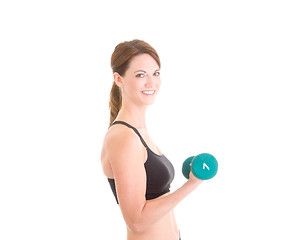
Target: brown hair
[120, 60]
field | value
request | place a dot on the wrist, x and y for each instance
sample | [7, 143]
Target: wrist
[194, 182]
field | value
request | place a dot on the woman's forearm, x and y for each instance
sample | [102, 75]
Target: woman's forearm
[155, 209]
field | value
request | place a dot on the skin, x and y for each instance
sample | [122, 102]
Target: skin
[123, 157]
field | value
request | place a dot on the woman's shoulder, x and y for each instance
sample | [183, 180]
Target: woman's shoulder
[121, 149]
[119, 133]
[120, 138]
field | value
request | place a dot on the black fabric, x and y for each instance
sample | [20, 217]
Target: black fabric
[159, 171]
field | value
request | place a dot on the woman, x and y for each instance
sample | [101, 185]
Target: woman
[137, 171]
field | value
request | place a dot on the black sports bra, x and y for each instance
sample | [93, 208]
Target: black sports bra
[159, 171]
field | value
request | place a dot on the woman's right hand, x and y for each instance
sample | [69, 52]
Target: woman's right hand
[194, 179]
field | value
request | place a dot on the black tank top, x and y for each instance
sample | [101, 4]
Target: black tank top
[159, 171]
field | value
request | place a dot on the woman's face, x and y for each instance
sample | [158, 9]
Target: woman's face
[141, 81]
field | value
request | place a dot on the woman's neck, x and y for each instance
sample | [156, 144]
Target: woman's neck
[133, 115]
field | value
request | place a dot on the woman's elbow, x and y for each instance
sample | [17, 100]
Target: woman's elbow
[136, 227]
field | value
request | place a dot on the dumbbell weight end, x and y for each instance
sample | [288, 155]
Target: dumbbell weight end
[203, 166]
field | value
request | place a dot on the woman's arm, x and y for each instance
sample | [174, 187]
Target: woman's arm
[155, 209]
[126, 155]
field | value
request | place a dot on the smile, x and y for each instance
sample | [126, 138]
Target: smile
[148, 92]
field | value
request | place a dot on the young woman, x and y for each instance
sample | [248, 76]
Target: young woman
[137, 171]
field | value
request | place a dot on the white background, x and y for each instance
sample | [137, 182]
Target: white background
[233, 84]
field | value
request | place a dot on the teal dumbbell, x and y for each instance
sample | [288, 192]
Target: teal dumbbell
[203, 166]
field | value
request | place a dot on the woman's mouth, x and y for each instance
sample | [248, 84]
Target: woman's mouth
[148, 92]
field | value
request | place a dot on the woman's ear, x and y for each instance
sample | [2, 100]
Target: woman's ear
[118, 79]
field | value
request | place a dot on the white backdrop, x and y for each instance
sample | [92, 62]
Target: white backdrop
[233, 84]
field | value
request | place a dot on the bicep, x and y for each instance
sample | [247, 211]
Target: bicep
[130, 177]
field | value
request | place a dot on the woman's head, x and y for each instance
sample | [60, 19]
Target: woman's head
[127, 55]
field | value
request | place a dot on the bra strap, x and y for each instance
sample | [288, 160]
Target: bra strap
[135, 130]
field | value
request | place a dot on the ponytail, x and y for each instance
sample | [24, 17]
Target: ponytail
[115, 102]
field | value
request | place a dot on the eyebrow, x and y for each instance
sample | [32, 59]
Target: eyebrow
[145, 71]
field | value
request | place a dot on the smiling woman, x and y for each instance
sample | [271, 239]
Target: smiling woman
[138, 173]
[120, 61]
[140, 82]
[142, 74]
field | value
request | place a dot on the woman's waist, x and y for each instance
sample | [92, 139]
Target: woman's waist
[164, 229]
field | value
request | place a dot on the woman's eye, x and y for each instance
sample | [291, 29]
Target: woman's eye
[140, 75]
[156, 74]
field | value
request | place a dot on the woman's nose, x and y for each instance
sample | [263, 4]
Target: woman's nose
[149, 81]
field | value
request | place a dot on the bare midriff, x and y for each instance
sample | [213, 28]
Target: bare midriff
[165, 229]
